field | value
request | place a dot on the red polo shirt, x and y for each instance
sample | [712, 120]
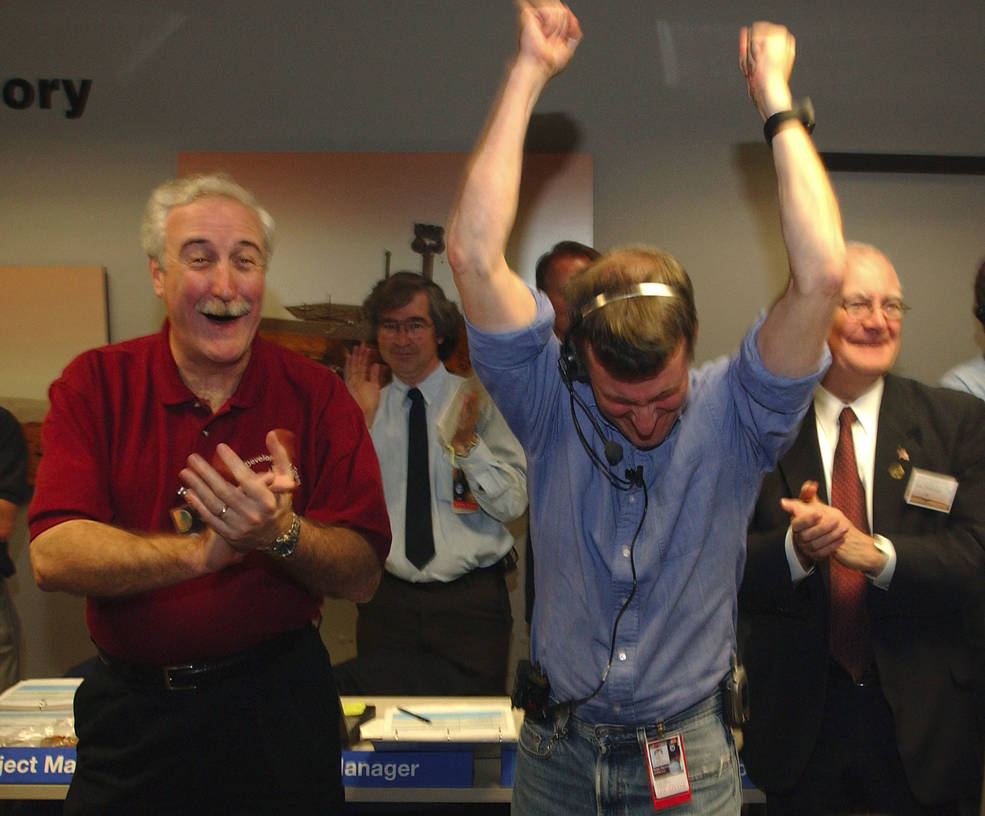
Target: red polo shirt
[120, 428]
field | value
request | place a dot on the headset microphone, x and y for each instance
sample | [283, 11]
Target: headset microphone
[613, 450]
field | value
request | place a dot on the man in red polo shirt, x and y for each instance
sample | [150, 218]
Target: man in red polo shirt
[213, 691]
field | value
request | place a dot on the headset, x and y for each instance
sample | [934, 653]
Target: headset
[571, 369]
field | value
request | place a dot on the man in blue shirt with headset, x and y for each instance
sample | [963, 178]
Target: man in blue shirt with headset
[634, 626]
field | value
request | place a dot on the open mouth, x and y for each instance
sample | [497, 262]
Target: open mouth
[219, 311]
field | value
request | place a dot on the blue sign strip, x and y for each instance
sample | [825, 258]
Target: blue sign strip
[36, 766]
[417, 769]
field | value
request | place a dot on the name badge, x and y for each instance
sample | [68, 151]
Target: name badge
[664, 758]
[935, 491]
[462, 499]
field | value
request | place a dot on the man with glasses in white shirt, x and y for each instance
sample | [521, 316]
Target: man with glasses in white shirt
[440, 622]
[883, 692]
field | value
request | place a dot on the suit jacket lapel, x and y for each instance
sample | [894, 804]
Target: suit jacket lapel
[897, 439]
[803, 460]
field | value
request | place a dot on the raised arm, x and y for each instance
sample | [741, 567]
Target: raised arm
[791, 339]
[493, 297]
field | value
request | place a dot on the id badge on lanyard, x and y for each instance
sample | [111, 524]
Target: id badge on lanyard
[663, 757]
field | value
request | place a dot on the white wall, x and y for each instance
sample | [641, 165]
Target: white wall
[654, 94]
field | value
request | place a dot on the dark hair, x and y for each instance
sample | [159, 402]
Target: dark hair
[400, 289]
[562, 249]
[632, 338]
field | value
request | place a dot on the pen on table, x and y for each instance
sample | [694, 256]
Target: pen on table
[412, 714]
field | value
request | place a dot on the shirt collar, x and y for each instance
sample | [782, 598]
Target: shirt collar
[430, 387]
[828, 407]
[173, 388]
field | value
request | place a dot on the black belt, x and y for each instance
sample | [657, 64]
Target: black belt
[193, 675]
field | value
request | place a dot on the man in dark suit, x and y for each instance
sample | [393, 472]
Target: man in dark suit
[871, 705]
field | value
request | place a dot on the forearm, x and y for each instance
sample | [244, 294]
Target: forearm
[91, 558]
[793, 336]
[493, 297]
[809, 214]
[499, 488]
[333, 561]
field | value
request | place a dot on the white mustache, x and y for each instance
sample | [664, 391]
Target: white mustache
[216, 307]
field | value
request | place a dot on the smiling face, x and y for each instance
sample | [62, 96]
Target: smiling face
[863, 348]
[645, 410]
[407, 340]
[212, 284]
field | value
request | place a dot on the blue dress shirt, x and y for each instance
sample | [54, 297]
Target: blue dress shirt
[674, 641]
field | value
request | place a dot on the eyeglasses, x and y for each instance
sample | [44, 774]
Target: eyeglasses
[414, 326]
[860, 308]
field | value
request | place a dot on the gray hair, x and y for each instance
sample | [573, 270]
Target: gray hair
[181, 191]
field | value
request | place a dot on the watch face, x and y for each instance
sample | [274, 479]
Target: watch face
[284, 544]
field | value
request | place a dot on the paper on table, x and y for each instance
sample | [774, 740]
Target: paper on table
[449, 722]
[42, 694]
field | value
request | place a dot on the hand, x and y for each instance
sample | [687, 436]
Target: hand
[465, 436]
[549, 34]
[766, 55]
[363, 379]
[217, 553]
[820, 530]
[252, 509]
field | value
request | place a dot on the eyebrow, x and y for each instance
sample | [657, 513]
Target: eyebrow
[868, 296]
[195, 242]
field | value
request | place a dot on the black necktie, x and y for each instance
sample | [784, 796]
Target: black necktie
[851, 641]
[419, 536]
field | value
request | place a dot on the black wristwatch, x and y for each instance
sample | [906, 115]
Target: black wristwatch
[802, 110]
[283, 546]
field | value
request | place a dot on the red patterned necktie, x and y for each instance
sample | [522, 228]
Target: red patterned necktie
[851, 641]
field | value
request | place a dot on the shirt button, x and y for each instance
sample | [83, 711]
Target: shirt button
[205, 432]
[632, 499]
[625, 552]
[622, 655]
[616, 707]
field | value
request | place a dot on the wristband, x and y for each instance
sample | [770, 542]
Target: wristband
[802, 111]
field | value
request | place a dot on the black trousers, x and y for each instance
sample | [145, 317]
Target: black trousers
[264, 742]
[432, 639]
[855, 767]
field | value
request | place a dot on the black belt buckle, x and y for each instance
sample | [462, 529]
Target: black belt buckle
[171, 681]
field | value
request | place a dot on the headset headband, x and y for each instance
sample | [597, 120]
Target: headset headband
[645, 289]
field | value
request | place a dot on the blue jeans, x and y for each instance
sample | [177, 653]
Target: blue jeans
[573, 767]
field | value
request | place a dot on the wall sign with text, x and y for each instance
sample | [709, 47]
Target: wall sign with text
[68, 95]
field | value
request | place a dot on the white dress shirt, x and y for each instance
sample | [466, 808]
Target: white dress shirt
[495, 468]
[827, 410]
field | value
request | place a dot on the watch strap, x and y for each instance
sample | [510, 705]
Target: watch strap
[283, 546]
[803, 111]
